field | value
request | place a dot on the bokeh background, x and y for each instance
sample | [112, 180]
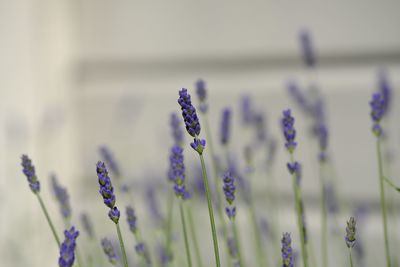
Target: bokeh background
[75, 75]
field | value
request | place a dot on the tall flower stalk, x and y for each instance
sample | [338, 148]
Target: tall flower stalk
[193, 128]
[229, 191]
[377, 111]
[107, 192]
[29, 170]
[178, 176]
[350, 237]
[289, 133]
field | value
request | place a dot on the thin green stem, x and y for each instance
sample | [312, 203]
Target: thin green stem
[261, 253]
[194, 237]
[48, 219]
[210, 211]
[351, 258]
[170, 209]
[237, 241]
[383, 202]
[185, 234]
[300, 224]
[121, 244]
[324, 215]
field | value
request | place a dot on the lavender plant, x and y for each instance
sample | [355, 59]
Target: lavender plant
[62, 198]
[287, 251]
[350, 237]
[67, 249]
[109, 250]
[289, 133]
[107, 192]
[193, 128]
[229, 191]
[29, 170]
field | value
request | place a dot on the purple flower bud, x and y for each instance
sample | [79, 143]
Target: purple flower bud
[229, 191]
[177, 132]
[109, 158]
[385, 89]
[29, 170]
[288, 130]
[225, 126]
[131, 219]
[246, 110]
[350, 237]
[307, 49]
[106, 188]
[198, 145]
[202, 95]
[114, 214]
[177, 171]
[62, 197]
[287, 252]
[109, 250]
[67, 248]
[189, 113]
[377, 111]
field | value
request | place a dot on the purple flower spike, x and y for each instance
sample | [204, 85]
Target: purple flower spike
[202, 95]
[385, 88]
[109, 158]
[189, 113]
[109, 250]
[177, 132]
[114, 214]
[288, 130]
[198, 145]
[62, 197]
[307, 49]
[67, 249]
[287, 252]
[131, 219]
[322, 133]
[350, 237]
[225, 126]
[87, 225]
[29, 170]
[377, 111]
[229, 191]
[177, 171]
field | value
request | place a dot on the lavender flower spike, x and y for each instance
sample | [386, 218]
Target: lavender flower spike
[107, 191]
[289, 131]
[225, 126]
[67, 249]
[229, 191]
[109, 250]
[131, 219]
[109, 158]
[62, 197]
[202, 95]
[307, 49]
[177, 132]
[177, 171]
[30, 173]
[350, 237]
[377, 111]
[87, 225]
[287, 252]
[192, 123]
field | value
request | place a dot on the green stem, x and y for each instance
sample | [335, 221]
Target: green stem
[188, 257]
[48, 220]
[210, 211]
[170, 209]
[383, 204]
[390, 182]
[194, 237]
[121, 244]
[237, 241]
[300, 225]
[324, 215]
[351, 258]
[257, 236]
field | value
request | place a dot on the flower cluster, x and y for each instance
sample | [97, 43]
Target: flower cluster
[288, 130]
[225, 126]
[202, 95]
[295, 169]
[67, 249]
[191, 120]
[108, 249]
[62, 197]
[287, 252]
[177, 132]
[107, 191]
[109, 158]
[131, 219]
[385, 89]
[177, 172]
[350, 237]
[87, 225]
[307, 49]
[229, 191]
[29, 170]
[377, 111]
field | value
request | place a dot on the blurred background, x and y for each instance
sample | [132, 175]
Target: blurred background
[75, 75]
